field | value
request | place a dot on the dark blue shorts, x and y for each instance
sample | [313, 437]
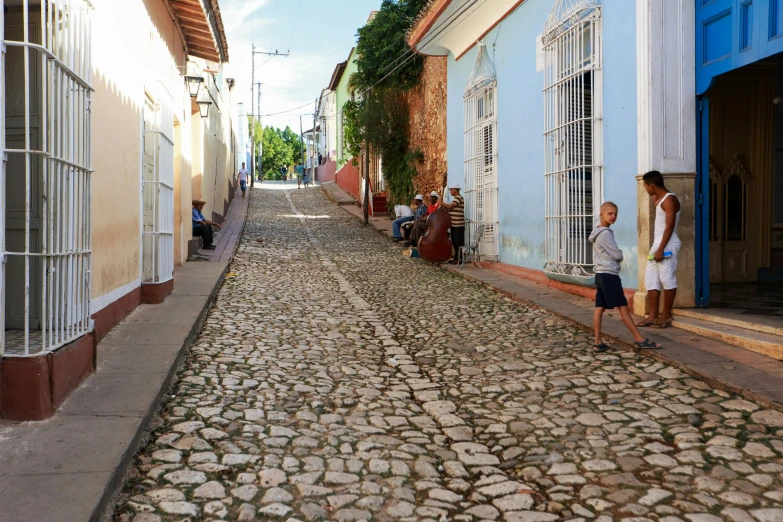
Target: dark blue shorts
[609, 293]
[243, 185]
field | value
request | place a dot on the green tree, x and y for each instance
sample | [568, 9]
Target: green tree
[275, 153]
[294, 142]
[381, 43]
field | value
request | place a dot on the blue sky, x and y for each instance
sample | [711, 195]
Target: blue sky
[325, 31]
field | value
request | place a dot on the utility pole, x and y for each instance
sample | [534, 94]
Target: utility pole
[261, 145]
[316, 145]
[258, 115]
[367, 159]
[252, 118]
[301, 139]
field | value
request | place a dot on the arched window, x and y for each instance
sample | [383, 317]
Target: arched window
[481, 156]
[573, 97]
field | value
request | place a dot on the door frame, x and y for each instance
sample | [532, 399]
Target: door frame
[703, 201]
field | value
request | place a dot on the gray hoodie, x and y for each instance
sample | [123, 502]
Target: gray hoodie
[606, 254]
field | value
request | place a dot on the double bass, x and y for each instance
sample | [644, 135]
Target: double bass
[435, 245]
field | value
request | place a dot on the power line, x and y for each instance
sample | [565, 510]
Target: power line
[296, 23]
[274, 20]
[407, 55]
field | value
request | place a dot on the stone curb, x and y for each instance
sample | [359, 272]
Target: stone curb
[105, 507]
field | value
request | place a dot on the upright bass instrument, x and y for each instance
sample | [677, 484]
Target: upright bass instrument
[435, 245]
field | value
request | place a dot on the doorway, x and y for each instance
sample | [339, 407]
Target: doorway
[744, 188]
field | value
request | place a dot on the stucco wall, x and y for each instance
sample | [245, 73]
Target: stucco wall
[427, 107]
[342, 95]
[512, 46]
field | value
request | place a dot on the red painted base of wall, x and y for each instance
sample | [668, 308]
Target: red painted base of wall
[326, 172]
[115, 312]
[156, 293]
[31, 388]
[540, 277]
[348, 179]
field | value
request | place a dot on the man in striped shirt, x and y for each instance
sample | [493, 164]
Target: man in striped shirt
[456, 210]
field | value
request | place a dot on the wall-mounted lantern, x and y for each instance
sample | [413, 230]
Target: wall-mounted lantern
[194, 82]
[203, 108]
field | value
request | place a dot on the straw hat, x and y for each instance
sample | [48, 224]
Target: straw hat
[199, 202]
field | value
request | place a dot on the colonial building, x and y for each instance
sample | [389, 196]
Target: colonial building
[115, 115]
[555, 106]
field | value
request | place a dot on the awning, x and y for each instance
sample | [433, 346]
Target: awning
[200, 27]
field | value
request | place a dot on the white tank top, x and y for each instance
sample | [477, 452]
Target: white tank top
[674, 243]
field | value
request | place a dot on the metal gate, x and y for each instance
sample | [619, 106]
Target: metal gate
[573, 136]
[45, 131]
[481, 156]
[158, 193]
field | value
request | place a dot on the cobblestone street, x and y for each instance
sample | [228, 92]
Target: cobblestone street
[337, 380]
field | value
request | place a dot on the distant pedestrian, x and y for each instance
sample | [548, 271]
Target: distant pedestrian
[299, 171]
[662, 261]
[243, 179]
[306, 178]
[609, 288]
[283, 172]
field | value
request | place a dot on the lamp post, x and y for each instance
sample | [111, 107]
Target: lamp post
[253, 54]
[203, 107]
[194, 83]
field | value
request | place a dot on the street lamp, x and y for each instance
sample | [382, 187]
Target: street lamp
[203, 107]
[194, 82]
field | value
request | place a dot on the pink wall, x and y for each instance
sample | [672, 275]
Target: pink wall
[348, 179]
[326, 172]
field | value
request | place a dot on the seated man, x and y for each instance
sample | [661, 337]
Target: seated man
[420, 226]
[201, 225]
[404, 214]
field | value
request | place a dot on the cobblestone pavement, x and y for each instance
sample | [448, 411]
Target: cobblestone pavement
[337, 380]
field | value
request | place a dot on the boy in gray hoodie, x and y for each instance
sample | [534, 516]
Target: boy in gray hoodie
[609, 289]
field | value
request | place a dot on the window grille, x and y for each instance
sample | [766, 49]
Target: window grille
[158, 193]
[481, 159]
[45, 225]
[573, 96]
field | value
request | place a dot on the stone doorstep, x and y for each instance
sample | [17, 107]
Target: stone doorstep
[761, 342]
[766, 389]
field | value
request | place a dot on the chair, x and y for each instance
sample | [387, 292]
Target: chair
[471, 252]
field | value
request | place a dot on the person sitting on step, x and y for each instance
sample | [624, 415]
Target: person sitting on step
[202, 226]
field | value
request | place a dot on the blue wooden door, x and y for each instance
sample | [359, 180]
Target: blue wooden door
[733, 33]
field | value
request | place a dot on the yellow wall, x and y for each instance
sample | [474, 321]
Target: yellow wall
[137, 53]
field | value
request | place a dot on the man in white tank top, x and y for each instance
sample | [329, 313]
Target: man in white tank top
[662, 267]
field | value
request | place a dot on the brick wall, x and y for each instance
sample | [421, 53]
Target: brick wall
[427, 104]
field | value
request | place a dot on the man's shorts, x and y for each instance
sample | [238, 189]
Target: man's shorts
[609, 293]
[661, 275]
[243, 185]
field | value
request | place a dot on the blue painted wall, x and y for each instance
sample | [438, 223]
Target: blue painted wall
[512, 45]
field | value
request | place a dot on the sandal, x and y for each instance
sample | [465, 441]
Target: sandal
[663, 325]
[600, 348]
[644, 323]
[647, 345]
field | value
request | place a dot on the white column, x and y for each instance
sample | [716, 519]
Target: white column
[666, 126]
[666, 77]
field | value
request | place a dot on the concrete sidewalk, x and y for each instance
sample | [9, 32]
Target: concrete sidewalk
[68, 468]
[719, 364]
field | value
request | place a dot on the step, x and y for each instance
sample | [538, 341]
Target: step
[759, 323]
[764, 343]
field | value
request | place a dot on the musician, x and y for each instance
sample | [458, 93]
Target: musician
[434, 204]
[420, 226]
[420, 213]
[456, 210]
